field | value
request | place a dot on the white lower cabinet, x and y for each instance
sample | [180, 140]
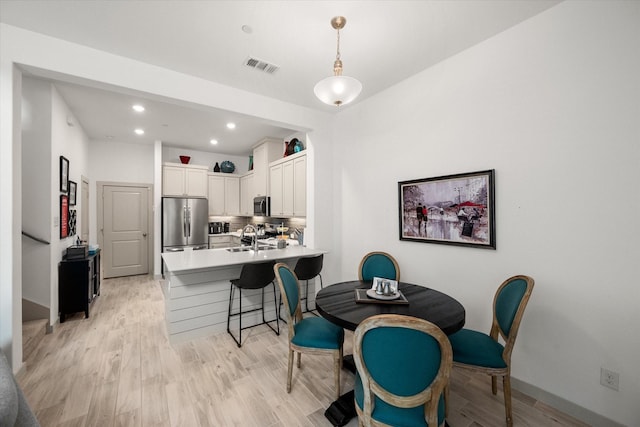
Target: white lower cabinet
[223, 194]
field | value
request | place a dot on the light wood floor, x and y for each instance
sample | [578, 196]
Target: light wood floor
[117, 368]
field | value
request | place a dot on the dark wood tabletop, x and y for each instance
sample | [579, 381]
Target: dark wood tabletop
[337, 303]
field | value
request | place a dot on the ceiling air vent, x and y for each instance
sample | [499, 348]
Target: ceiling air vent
[261, 65]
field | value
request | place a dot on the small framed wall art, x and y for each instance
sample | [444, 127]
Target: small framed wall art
[453, 209]
[64, 216]
[72, 193]
[64, 174]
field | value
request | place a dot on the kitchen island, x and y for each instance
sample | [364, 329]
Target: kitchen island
[196, 288]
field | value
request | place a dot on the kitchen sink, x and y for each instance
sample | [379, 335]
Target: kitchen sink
[250, 248]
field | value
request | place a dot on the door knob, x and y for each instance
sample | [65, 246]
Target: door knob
[144, 234]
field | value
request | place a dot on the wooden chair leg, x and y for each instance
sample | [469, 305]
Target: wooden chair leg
[290, 371]
[506, 385]
[494, 384]
[446, 401]
[299, 357]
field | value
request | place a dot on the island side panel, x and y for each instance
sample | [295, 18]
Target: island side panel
[197, 303]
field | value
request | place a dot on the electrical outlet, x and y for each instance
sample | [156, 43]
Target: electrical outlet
[610, 379]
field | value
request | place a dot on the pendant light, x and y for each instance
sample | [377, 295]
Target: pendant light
[338, 89]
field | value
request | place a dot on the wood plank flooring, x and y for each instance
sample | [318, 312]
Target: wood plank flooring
[117, 368]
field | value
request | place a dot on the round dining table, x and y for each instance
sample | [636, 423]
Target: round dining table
[338, 304]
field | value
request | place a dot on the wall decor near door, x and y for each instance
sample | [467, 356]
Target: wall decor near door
[453, 209]
[64, 174]
[64, 216]
[72, 222]
[72, 193]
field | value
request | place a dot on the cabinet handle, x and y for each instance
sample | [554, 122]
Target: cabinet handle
[144, 234]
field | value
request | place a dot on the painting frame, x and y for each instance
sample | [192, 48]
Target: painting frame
[456, 209]
[64, 174]
[64, 216]
[72, 193]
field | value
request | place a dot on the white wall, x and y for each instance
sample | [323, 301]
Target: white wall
[203, 158]
[68, 139]
[553, 106]
[36, 194]
[113, 161]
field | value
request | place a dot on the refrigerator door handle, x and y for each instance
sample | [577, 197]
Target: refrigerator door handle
[184, 221]
[189, 221]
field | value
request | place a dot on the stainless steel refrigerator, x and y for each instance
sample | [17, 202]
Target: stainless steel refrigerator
[184, 224]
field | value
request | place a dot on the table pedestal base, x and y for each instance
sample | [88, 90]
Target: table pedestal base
[342, 410]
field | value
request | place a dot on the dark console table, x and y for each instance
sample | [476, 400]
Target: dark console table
[78, 284]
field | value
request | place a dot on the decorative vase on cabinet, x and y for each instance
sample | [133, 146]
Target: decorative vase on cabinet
[216, 168]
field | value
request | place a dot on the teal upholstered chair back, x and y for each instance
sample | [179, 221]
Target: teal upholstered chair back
[507, 301]
[289, 289]
[403, 365]
[378, 264]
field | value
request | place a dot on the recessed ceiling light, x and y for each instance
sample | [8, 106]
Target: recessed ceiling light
[139, 131]
[231, 125]
[139, 108]
[214, 141]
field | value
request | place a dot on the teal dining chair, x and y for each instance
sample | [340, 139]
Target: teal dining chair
[314, 335]
[403, 365]
[378, 264]
[480, 352]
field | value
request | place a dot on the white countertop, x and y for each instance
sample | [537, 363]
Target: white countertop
[215, 258]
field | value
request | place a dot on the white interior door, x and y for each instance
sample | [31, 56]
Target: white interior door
[84, 209]
[125, 230]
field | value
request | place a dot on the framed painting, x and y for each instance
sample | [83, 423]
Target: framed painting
[453, 209]
[72, 193]
[64, 216]
[64, 174]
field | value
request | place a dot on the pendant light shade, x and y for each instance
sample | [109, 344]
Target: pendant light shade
[338, 89]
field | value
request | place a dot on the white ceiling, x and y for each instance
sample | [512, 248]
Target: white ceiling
[383, 43]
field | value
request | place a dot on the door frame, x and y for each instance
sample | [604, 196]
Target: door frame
[100, 215]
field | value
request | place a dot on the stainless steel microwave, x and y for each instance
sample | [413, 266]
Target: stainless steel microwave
[262, 206]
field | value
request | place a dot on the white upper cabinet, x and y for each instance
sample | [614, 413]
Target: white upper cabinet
[246, 194]
[224, 194]
[184, 180]
[288, 186]
[264, 152]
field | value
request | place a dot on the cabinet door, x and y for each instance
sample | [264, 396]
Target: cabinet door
[232, 196]
[287, 188]
[260, 161]
[196, 182]
[173, 181]
[300, 187]
[216, 195]
[275, 188]
[246, 195]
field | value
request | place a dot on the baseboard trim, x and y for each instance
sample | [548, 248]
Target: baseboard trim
[33, 311]
[583, 414]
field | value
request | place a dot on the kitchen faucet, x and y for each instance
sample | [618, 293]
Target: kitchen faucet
[255, 235]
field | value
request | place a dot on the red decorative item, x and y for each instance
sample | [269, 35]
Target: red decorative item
[185, 159]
